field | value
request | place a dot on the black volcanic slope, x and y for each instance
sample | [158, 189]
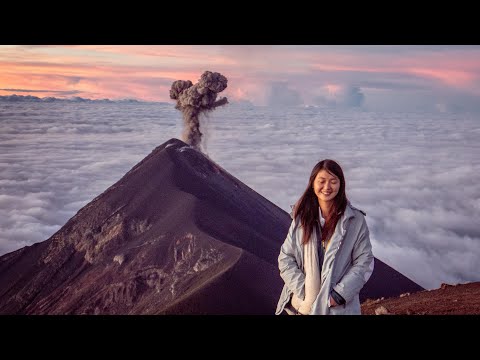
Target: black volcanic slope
[176, 235]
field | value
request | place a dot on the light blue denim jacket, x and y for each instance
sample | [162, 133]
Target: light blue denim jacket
[347, 265]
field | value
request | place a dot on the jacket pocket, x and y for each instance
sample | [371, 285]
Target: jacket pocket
[337, 310]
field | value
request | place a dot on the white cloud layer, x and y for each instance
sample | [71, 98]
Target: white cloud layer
[417, 175]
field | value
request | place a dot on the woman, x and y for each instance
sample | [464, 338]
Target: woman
[327, 257]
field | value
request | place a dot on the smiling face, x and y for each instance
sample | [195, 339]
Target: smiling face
[326, 186]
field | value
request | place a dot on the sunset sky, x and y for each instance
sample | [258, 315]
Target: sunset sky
[394, 77]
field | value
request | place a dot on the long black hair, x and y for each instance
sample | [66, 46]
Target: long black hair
[307, 207]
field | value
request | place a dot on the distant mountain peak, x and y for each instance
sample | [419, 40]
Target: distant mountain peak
[78, 99]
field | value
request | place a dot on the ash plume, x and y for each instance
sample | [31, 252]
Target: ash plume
[193, 100]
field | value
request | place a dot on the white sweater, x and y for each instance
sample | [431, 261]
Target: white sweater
[311, 269]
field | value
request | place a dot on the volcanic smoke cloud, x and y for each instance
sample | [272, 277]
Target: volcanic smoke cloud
[193, 100]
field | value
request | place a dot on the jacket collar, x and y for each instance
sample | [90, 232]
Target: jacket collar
[348, 214]
[349, 211]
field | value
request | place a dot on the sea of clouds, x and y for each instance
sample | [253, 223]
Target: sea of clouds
[417, 175]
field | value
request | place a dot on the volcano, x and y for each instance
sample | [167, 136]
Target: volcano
[177, 234]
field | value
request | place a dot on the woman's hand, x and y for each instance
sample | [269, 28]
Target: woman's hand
[332, 302]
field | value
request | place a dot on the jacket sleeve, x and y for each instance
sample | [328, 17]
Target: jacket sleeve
[291, 274]
[362, 268]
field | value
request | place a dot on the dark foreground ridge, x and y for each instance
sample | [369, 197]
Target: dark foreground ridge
[457, 299]
[177, 234]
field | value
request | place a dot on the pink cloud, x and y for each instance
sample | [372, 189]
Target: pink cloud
[108, 71]
[455, 78]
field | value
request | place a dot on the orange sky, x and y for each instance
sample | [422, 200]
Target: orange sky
[146, 72]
